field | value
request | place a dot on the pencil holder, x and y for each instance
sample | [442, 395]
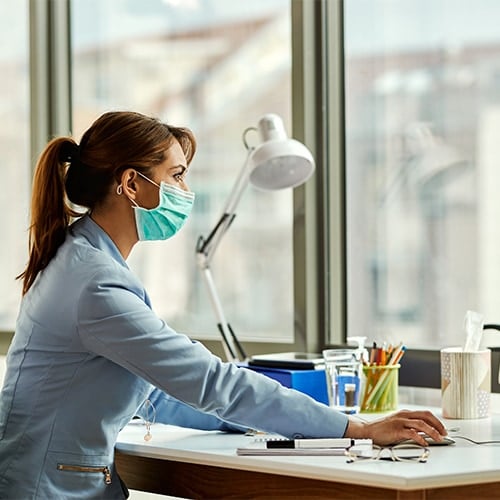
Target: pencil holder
[380, 388]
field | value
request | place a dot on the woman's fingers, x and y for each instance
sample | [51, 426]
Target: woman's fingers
[426, 422]
[427, 417]
[406, 425]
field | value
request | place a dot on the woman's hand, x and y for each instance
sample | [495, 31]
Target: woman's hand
[404, 424]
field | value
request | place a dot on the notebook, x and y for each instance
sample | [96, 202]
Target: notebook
[290, 360]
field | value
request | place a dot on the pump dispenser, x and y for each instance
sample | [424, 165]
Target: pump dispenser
[359, 344]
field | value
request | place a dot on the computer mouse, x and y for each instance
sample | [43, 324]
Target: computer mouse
[444, 442]
[430, 441]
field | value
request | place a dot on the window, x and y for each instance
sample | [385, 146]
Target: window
[422, 125]
[215, 66]
[14, 151]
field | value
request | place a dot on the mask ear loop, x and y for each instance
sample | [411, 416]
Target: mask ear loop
[119, 188]
[119, 192]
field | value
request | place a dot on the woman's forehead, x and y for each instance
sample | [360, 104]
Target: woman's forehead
[174, 154]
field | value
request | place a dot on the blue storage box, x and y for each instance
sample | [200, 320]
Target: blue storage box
[311, 382]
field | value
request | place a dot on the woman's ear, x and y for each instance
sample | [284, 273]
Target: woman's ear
[128, 183]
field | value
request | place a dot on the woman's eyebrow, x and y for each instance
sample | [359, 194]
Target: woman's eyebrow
[183, 167]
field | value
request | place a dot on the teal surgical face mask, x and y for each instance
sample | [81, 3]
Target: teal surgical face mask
[168, 217]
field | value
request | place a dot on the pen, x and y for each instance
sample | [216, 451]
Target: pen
[372, 353]
[316, 443]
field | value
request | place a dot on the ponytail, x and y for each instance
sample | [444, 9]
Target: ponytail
[51, 212]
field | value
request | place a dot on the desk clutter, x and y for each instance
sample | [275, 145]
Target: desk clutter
[350, 380]
[362, 381]
[353, 449]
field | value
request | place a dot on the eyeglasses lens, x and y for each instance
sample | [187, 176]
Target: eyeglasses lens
[398, 453]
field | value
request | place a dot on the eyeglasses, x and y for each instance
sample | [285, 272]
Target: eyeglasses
[397, 453]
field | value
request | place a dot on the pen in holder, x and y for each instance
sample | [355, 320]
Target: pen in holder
[381, 379]
[380, 388]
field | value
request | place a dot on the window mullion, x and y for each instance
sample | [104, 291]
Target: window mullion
[311, 262]
[50, 81]
[335, 144]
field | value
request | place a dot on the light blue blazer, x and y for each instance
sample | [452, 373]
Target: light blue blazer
[88, 351]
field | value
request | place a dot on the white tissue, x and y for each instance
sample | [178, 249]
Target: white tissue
[473, 326]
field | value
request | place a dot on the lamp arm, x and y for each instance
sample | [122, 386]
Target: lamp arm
[208, 246]
[205, 251]
[230, 342]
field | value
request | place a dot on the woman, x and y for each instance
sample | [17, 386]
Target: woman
[89, 351]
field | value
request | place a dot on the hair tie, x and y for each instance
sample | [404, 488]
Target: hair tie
[70, 153]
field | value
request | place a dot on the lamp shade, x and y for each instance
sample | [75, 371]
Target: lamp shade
[279, 162]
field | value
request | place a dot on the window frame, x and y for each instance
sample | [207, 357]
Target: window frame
[421, 367]
[319, 206]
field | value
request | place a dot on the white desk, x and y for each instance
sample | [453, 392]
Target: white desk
[199, 464]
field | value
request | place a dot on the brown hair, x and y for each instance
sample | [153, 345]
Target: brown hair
[83, 175]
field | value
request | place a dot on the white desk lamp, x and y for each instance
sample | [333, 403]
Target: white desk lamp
[277, 163]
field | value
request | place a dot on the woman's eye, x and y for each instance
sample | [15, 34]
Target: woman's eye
[179, 177]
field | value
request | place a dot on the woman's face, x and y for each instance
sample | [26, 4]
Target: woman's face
[172, 171]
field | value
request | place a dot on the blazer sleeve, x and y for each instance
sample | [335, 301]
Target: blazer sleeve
[115, 322]
[169, 410]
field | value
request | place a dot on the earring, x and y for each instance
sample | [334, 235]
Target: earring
[119, 189]
[149, 422]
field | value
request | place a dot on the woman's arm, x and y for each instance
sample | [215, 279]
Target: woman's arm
[168, 410]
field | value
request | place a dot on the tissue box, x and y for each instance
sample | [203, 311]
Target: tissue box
[310, 382]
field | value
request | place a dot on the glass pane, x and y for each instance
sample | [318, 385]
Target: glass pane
[14, 151]
[215, 66]
[422, 125]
